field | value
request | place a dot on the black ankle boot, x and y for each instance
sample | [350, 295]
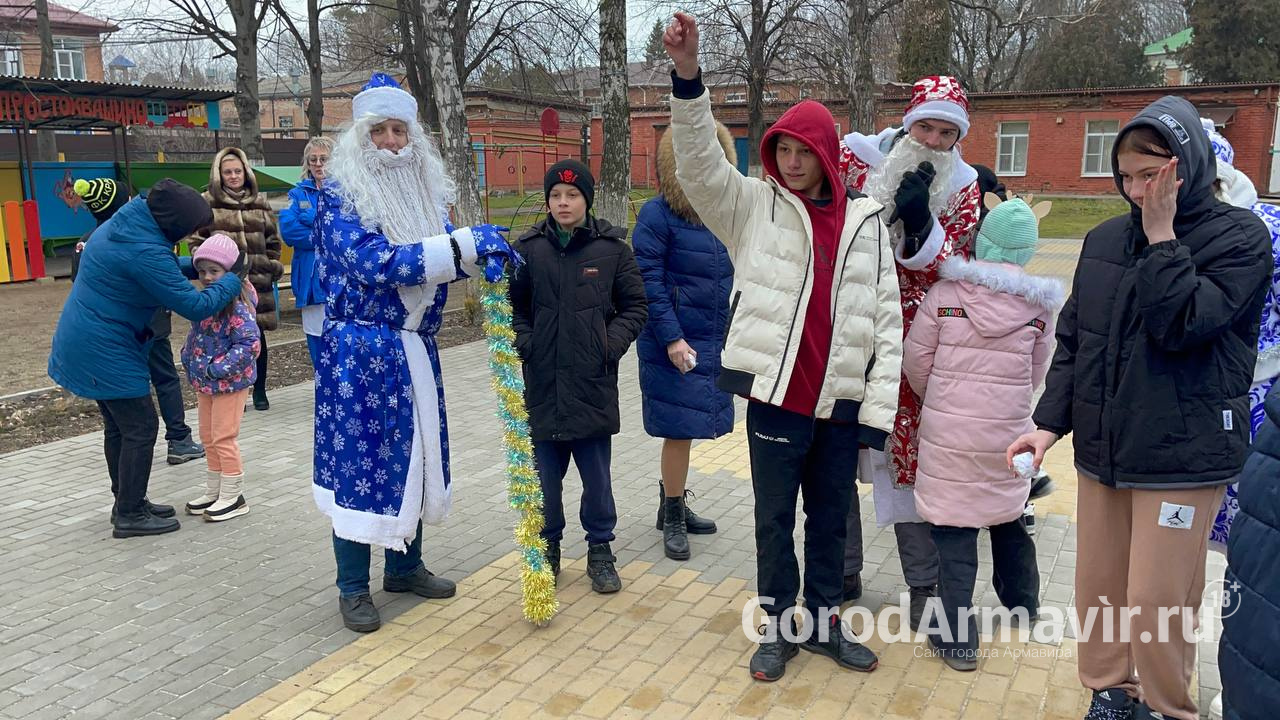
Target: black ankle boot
[553, 557]
[675, 540]
[604, 576]
[693, 523]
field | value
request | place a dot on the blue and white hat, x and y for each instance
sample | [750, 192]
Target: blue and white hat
[1221, 148]
[382, 97]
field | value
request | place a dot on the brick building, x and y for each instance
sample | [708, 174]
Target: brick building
[1060, 141]
[77, 41]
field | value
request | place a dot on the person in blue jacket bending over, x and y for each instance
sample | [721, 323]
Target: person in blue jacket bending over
[103, 337]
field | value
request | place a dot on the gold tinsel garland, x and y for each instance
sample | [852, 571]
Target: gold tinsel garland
[537, 584]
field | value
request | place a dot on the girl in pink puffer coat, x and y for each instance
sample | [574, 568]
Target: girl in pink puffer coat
[979, 348]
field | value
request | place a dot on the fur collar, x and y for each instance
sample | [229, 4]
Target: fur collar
[1039, 291]
[667, 185]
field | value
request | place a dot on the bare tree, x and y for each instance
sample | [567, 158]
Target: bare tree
[861, 18]
[451, 109]
[309, 47]
[46, 141]
[209, 19]
[615, 108]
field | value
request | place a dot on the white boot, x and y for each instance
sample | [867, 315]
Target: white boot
[1215, 708]
[230, 502]
[213, 481]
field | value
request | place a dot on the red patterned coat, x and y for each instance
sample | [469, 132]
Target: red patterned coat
[951, 236]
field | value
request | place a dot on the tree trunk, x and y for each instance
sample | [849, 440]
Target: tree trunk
[612, 202]
[414, 55]
[246, 28]
[862, 86]
[455, 139]
[315, 106]
[756, 75]
[46, 140]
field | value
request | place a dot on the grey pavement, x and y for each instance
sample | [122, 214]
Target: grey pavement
[192, 624]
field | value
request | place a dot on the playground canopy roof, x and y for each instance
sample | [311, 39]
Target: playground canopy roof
[92, 91]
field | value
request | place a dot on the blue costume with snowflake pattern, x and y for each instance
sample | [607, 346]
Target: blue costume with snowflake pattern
[381, 439]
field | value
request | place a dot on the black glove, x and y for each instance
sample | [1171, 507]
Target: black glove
[911, 201]
[238, 267]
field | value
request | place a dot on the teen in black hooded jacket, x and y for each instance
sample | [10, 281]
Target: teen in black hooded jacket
[1156, 347]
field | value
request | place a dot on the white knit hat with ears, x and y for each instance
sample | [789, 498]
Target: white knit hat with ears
[383, 97]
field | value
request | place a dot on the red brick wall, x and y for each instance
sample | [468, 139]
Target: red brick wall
[1057, 131]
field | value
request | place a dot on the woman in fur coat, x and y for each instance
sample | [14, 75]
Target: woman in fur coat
[242, 213]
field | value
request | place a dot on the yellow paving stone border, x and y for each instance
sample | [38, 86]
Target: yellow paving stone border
[666, 647]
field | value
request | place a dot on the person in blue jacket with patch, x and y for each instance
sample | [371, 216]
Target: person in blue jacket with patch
[102, 341]
[687, 276]
[296, 223]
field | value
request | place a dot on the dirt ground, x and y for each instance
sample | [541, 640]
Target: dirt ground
[28, 314]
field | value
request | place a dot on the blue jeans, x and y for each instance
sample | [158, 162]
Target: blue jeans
[353, 563]
[313, 349]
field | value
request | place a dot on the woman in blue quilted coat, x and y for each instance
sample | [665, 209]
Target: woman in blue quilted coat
[1249, 651]
[687, 276]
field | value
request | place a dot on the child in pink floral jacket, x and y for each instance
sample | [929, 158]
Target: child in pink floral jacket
[220, 356]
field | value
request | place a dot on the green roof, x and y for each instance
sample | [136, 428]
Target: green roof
[1169, 44]
[274, 178]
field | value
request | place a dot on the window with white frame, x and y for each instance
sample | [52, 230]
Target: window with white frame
[1011, 148]
[735, 97]
[286, 121]
[1099, 136]
[69, 56]
[10, 61]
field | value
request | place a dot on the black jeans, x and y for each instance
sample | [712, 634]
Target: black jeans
[164, 376]
[597, 512]
[260, 383]
[130, 426]
[1016, 575]
[791, 454]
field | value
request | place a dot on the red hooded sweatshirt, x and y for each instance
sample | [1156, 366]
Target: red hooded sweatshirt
[812, 124]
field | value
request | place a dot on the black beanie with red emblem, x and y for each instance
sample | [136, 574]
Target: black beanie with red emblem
[570, 172]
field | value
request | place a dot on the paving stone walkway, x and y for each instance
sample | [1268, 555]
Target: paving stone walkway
[241, 617]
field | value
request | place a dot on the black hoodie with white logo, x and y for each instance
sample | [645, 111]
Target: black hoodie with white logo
[1156, 344]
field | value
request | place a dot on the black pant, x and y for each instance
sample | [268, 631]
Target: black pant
[597, 512]
[260, 383]
[792, 453]
[1017, 577]
[164, 376]
[130, 426]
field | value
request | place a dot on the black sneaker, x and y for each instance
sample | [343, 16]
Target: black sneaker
[847, 653]
[769, 662]
[1143, 711]
[1110, 704]
[553, 557]
[260, 401]
[422, 582]
[1029, 518]
[160, 511]
[143, 523]
[852, 588]
[919, 599]
[604, 577]
[359, 613]
[181, 451]
[959, 660]
[1041, 485]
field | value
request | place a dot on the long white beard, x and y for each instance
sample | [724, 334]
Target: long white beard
[401, 202]
[906, 156]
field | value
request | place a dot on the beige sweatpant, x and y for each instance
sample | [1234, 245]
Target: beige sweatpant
[1136, 550]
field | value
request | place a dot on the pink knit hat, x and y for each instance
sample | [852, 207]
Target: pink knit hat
[218, 248]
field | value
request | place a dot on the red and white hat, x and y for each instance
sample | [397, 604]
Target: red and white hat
[938, 97]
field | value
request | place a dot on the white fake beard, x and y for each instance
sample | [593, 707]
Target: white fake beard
[401, 204]
[906, 156]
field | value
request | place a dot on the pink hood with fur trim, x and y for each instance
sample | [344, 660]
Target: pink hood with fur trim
[979, 347]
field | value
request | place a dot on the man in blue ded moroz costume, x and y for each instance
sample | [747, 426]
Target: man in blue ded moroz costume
[386, 252]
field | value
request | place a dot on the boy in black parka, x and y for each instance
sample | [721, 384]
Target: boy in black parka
[577, 305]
